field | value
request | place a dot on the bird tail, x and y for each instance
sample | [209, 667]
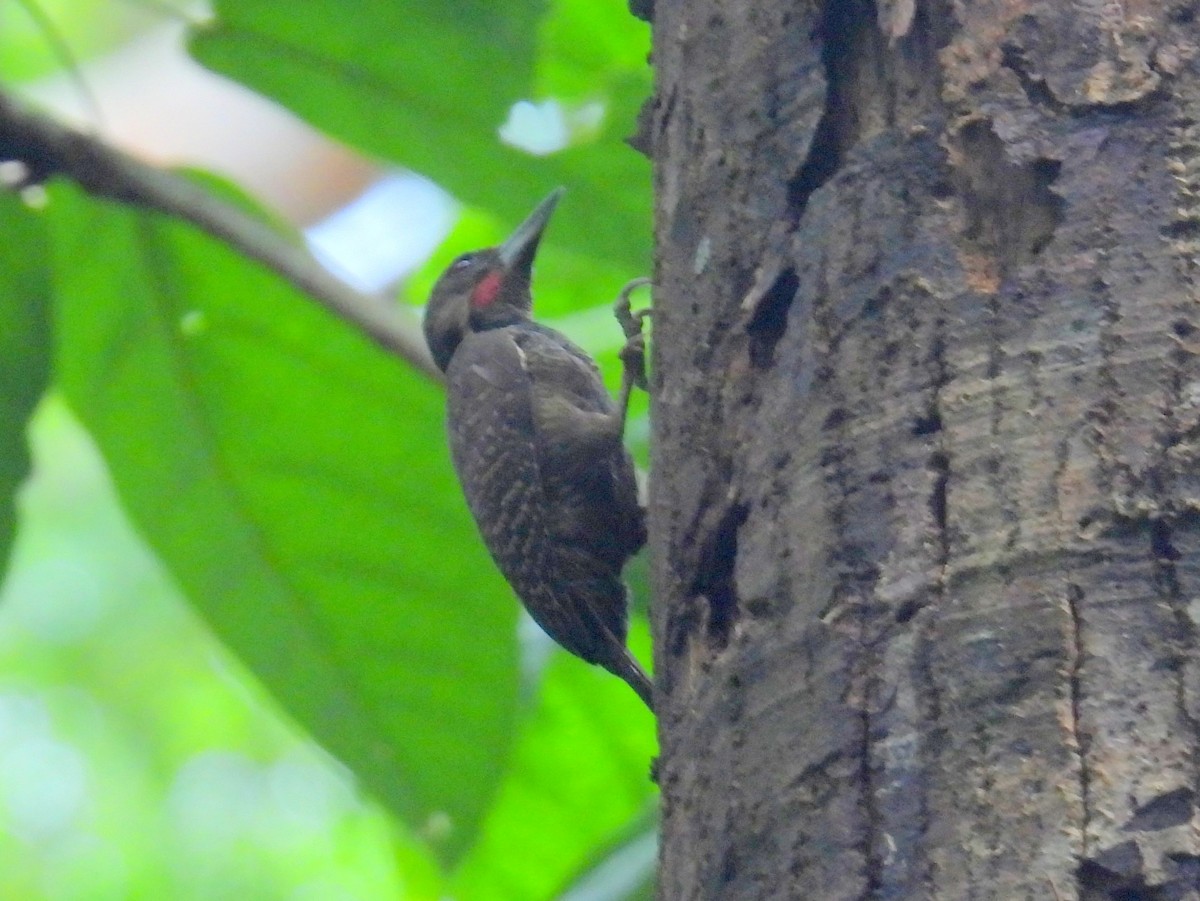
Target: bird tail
[627, 667]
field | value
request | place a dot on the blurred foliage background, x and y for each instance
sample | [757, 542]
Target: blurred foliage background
[250, 645]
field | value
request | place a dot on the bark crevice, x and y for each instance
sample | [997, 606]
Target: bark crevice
[843, 26]
[939, 460]
[714, 580]
[1079, 738]
[874, 852]
[768, 322]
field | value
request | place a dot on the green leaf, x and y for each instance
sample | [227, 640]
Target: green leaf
[41, 36]
[579, 776]
[428, 85]
[294, 480]
[624, 870]
[25, 346]
[586, 45]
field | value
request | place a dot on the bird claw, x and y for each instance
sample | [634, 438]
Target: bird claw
[633, 354]
[631, 322]
[633, 358]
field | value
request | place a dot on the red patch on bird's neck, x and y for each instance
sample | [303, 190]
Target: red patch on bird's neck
[487, 289]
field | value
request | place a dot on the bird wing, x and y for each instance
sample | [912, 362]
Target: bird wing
[585, 467]
[573, 414]
[495, 447]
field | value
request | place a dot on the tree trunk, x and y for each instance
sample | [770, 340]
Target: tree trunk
[924, 506]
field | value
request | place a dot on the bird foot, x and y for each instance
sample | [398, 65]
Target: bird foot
[633, 354]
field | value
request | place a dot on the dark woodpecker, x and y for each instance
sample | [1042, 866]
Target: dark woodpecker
[536, 442]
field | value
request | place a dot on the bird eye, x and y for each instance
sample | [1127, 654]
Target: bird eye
[465, 260]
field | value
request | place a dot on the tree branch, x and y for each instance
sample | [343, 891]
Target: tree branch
[49, 148]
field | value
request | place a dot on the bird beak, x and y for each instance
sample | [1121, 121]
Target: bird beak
[517, 253]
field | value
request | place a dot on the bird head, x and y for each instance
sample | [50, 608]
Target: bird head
[486, 288]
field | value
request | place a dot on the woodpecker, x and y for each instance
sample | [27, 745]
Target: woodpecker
[536, 441]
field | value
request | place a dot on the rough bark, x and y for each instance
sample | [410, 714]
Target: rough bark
[925, 511]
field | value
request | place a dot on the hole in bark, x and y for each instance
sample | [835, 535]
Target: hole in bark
[714, 579]
[769, 321]
[1115, 873]
[1036, 89]
[1049, 212]
[1173, 808]
[1182, 328]
[1187, 869]
[1014, 689]
[837, 416]
[1160, 541]
[680, 628]
[1173, 663]
[907, 611]
[1182, 229]
[875, 303]
[927, 425]
[941, 190]
[1011, 210]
